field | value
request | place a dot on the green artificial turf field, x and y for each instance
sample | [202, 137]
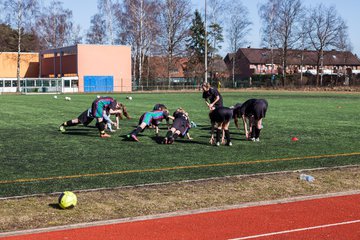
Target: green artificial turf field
[37, 158]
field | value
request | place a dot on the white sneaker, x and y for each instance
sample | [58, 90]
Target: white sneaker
[257, 139]
[217, 144]
[252, 139]
[229, 144]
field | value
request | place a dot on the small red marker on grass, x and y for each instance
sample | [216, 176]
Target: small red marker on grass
[294, 139]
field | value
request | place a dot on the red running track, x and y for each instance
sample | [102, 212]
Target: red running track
[326, 218]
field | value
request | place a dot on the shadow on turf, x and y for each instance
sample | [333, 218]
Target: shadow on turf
[55, 206]
[76, 132]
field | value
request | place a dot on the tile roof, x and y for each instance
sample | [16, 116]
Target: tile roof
[263, 56]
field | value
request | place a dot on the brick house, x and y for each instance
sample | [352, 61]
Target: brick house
[156, 69]
[255, 61]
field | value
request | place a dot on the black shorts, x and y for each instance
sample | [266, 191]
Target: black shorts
[221, 114]
[260, 108]
[181, 125]
[85, 118]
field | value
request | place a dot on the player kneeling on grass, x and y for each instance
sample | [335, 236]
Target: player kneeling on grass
[97, 111]
[150, 118]
[220, 119]
[253, 110]
[180, 127]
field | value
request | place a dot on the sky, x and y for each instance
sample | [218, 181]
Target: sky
[83, 10]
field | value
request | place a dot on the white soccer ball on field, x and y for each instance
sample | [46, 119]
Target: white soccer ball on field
[130, 98]
[55, 97]
[98, 96]
[68, 98]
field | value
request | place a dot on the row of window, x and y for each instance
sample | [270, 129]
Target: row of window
[39, 83]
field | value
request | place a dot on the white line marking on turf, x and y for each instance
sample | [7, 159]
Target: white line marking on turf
[297, 230]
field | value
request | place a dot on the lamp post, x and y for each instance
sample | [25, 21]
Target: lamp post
[206, 60]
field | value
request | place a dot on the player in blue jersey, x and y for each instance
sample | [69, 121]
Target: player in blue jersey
[147, 119]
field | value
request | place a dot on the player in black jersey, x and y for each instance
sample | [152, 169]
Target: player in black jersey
[212, 97]
[253, 110]
[220, 119]
[180, 127]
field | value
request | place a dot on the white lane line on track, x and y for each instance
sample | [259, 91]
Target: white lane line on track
[297, 230]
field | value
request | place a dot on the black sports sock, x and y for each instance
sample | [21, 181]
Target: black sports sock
[257, 132]
[169, 134]
[227, 136]
[253, 132]
[100, 126]
[137, 130]
[218, 134]
[175, 136]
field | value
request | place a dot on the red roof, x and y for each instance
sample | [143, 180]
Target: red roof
[263, 56]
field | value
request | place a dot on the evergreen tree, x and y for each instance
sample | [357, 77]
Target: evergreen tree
[196, 46]
[196, 42]
[9, 40]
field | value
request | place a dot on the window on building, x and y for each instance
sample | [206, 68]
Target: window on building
[66, 83]
[74, 83]
[30, 83]
[7, 83]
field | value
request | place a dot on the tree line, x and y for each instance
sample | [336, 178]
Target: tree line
[171, 28]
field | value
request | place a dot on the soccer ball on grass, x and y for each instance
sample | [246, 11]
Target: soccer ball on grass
[67, 200]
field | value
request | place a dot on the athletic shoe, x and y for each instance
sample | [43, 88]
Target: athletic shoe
[62, 128]
[105, 135]
[252, 139]
[229, 144]
[217, 144]
[170, 140]
[257, 139]
[133, 136]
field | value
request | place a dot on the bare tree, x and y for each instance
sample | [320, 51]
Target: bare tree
[96, 33]
[107, 10]
[18, 12]
[139, 28]
[2, 12]
[55, 27]
[217, 19]
[238, 27]
[268, 13]
[326, 29]
[283, 17]
[174, 25]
